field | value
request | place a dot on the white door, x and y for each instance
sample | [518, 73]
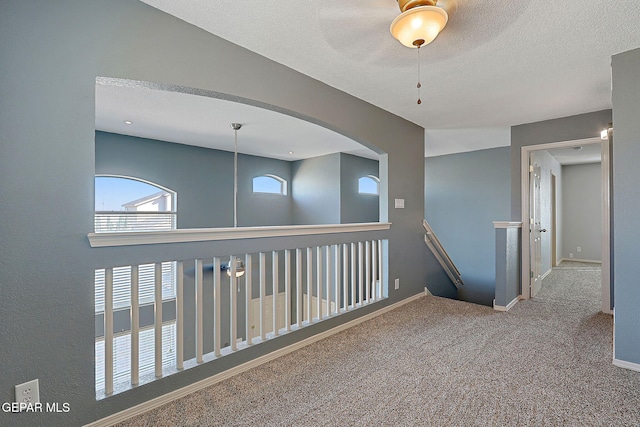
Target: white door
[535, 236]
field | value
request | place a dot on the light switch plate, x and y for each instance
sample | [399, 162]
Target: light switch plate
[399, 204]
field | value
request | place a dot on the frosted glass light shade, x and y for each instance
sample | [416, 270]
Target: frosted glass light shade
[419, 23]
[239, 268]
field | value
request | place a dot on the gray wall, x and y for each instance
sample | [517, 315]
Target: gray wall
[202, 179]
[582, 211]
[316, 190]
[262, 209]
[581, 126]
[52, 53]
[356, 207]
[325, 190]
[626, 199]
[464, 194]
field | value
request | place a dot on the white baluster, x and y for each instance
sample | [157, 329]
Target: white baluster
[233, 304]
[108, 330]
[248, 300]
[380, 268]
[374, 271]
[353, 275]
[367, 274]
[275, 292]
[345, 276]
[199, 312]
[158, 318]
[319, 282]
[263, 293]
[135, 326]
[217, 317]
[180, 315]
[309, 285]
[299, 287]
[327, 281]
[336, 278]
[287, 289]
[360, 275]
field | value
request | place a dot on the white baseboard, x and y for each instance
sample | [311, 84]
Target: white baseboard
[508, 306]
[590, 261]
[546, 274]
[207, 382]
[626, 365]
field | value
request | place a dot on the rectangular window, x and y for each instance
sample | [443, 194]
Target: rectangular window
[146, 360]
[146, 280]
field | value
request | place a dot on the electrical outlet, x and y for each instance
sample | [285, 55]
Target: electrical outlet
[571, 255]
[28, 393]
[579, 249]
[397, 283]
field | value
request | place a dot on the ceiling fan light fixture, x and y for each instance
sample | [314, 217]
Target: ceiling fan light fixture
[418, 24]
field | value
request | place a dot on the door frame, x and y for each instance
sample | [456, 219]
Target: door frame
[525, 290]
[554, 220]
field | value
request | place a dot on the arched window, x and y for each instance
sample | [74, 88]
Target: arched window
[269, 184]
[128, 204]
[369, 185]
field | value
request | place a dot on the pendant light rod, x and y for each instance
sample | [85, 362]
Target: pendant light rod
[236, 127]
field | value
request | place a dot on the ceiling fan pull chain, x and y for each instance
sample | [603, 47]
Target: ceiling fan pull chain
[418, 44]
[419, 85]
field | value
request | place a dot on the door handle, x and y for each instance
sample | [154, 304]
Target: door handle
[544, 230]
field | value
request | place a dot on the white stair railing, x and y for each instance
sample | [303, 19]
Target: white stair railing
[441, 255]
[297, 288]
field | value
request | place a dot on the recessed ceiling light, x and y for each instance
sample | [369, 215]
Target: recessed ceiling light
[290, 152]
[128, 122]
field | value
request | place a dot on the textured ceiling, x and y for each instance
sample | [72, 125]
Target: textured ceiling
[170, 115]
[497, 63]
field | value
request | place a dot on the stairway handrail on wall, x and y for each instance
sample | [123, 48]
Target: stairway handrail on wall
[441, 255]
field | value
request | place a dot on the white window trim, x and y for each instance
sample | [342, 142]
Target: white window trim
[373, 178]
[282, 181]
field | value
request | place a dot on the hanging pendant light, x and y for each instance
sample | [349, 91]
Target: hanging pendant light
[239, 265]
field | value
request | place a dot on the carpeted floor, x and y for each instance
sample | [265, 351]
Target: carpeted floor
[439, 362]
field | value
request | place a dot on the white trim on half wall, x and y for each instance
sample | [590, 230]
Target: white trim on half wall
[508, 306]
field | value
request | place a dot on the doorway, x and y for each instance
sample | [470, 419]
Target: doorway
[530, 232]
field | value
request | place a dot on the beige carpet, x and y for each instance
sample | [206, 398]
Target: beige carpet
[438, 362]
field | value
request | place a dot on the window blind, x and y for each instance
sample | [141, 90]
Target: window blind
[122, 285]
[146, 360]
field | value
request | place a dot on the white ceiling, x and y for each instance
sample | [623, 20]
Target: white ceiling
[580, 154]
[168, 115]
[497, 63]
